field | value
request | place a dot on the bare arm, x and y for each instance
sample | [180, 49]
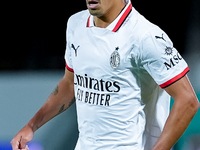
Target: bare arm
[185, 107]
[60, 99]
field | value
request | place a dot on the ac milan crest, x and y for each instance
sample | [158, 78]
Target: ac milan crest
[115, 59]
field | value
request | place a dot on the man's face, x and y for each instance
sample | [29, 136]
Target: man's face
[99, 8]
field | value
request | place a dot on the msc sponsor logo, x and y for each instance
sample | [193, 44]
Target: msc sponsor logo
[174, 60]
[169, 50]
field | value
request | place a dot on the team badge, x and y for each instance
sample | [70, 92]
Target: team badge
[115, 59]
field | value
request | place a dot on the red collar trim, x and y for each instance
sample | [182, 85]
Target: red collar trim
[121, 20]
[88, 22]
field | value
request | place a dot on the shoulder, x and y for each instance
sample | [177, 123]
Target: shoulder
[79, 15]
[143, 28]
[78, 18]
[151, 39]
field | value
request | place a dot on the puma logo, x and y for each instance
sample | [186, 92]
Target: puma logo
[75, 49]
[158, 37]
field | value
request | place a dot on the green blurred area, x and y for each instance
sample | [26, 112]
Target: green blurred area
[192, 132]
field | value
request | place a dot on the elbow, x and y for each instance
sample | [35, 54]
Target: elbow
[194, 104]
[197, 105]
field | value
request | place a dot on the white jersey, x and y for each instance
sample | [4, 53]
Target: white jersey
[119, 75]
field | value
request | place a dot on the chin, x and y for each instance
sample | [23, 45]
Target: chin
[95, 12]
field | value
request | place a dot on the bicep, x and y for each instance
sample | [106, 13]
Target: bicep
[65, 91]
[69, 77]
[65, 88]
[184, 108]
[182, 90]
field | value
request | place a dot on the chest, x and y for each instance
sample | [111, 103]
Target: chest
[101, 50]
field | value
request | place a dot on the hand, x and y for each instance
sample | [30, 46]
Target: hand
[20, 140]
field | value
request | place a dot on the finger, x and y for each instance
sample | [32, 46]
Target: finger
[22, 143]
[26, 148]
[15, 145]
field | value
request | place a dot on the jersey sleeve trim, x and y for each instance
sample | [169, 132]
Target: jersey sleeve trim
[68, 68]
[176, 78]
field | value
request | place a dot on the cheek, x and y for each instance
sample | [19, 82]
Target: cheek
[106, 3]
[106, 6]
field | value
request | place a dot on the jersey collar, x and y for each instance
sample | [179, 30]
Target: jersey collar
[116, 24]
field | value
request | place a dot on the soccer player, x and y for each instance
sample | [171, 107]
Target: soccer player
[122, 70]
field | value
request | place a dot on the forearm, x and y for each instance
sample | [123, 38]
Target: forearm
[60, 99]
[180, 117]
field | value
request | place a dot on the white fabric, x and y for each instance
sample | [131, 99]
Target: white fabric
[123, 108]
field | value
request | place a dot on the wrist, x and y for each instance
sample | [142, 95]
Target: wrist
[32, 125]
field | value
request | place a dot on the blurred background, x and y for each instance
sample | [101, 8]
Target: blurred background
[32, 63]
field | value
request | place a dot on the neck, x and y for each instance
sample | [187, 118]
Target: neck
[109, 17]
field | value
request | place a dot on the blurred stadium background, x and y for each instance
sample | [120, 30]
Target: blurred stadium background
[32, 63]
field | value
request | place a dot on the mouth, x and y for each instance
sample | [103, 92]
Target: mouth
[93, 4]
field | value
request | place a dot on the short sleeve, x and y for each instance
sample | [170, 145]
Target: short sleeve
[68, 57]
[160, 59]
